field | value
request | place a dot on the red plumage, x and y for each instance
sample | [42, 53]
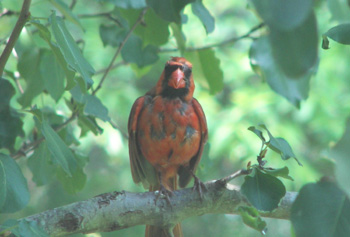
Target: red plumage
[167, 132]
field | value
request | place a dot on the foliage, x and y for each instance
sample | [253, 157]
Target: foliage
[77, 67]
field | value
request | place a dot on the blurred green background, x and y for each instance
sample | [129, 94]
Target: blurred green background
[246, 100]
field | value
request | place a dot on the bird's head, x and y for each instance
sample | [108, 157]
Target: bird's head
[176, 79]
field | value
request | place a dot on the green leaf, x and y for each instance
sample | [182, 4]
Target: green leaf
[10, 122]
[92, 105]
[251, 217]
[281, 172]
[284, 15]
[295, 51]
[61, 154]
[154, 30]
[112, 35]
[179, 37]
[70, 50]
[95, 108]
[341, 153]
[46, 35]
[28, 67]
[72, 184]
[23, 228]
[263, 191]
[321, 209]
[52, 74]
[204, 15]
[264, 65]
[39, 164]
[339, 9]
[66, 12]
[14, 194]
[340, 33]
[88, 123]
[169, 10]
[134, 52]
[257, 132]
[206, 64]
[280, 146]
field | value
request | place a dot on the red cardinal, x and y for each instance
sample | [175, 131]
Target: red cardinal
[167, 132]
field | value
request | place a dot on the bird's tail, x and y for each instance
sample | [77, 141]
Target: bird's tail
[155, 231]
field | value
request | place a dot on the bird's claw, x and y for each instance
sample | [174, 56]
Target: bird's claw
[199, 186]
[163, 193]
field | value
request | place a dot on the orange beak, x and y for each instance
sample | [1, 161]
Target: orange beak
[176, 79]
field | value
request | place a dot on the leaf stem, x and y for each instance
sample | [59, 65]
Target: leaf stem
[22, 19]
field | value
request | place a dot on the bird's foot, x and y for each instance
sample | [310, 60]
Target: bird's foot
[163, 193]
[199, 186]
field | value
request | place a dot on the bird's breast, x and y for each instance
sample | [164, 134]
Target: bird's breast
[169, 132]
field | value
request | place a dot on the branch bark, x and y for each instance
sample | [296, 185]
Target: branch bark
[23, 16]
[119, 210]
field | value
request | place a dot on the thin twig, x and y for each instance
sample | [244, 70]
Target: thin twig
[235, 175]
[118, 64]
[220, 44]
[138, 21]
[23, 151]
[22, 19]
[72, 5]
[102, 14]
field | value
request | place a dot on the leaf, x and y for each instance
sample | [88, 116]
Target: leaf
[321, 209]
[66, 12]
[263, 191]
[280, 146]
[70, 50]
[281, 172]
[257, 132]
[340, 33]
[154, 31]
[10, 122]
[23, 228]
[341, 153]
[284, 15]
[14, 194]
[95, 108]
[52, 74]
[208, 64]
[295, 51]
[179, 37]
[72, 184]
[251, 217]
[134, 52]
[263, 63]
[39, 164]
[61, 154]
[204, 15]
[92, 105]
[169, 10]
[339, 9]
[28, 67]
[46, 35]
[112, 35]
[88, 123]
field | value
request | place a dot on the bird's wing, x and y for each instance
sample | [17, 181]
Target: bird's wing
[186, 173]
[141, 169]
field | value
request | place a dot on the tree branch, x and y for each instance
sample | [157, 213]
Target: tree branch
[119, 210]
[220, 44]
[23, 16]
[138, 21]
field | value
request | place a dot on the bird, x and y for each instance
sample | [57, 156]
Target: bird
[167, 132]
